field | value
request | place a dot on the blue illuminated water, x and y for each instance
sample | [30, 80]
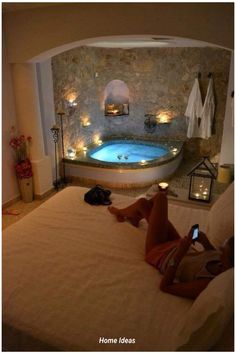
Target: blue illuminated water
[128, 151]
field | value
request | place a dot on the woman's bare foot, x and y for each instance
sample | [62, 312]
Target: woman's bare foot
[117, 213]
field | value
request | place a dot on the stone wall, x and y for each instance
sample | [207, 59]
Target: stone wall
[158, 79]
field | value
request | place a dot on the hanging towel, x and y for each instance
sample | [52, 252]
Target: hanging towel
[194, 110]
[208, 111]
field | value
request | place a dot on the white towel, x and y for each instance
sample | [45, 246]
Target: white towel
[208, 111]
[194, 110]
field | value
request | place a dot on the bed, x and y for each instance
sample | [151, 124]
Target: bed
[74, 279]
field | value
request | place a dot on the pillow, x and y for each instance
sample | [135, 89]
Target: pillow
[221, 218]
[208, 316]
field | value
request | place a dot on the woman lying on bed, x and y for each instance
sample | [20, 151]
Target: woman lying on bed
[186, 271]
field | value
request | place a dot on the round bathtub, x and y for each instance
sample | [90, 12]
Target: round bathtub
[126, 163]
[128, 151]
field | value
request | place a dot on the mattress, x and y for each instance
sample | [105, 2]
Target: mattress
[74, 279]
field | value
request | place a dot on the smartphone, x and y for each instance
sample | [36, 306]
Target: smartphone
[195, 232]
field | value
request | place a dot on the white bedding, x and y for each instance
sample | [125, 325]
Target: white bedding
[73, 274]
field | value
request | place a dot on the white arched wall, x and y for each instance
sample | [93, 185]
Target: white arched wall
[65, 26]
[32, 32]
[29, 119]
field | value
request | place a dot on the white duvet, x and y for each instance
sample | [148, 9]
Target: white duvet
[74, 278]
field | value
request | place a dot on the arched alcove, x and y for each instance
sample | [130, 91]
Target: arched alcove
[116, 98]
[66, 26]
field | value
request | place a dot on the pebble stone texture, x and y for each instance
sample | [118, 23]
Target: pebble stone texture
[157, 78]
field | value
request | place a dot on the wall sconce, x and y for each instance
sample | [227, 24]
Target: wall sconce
[150, 123]
[97, 140]
[71, 103]
[164, 117]
[85, 122]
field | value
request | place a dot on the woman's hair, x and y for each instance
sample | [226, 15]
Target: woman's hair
[230, 242]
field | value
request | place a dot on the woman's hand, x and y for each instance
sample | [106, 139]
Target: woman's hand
[202, 238]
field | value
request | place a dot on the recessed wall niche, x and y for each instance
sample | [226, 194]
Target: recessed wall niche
[116, 97]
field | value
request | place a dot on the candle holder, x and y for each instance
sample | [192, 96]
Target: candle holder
[150, 123]
[201, 181]
[163, 186]
[55, 135]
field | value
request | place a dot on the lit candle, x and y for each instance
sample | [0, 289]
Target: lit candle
[163, 186]
[86, 124]
[174, 150]
[99, 142]
[143, 162]
[71, 97]
[163, 117]
[71, 153]
[85, 148]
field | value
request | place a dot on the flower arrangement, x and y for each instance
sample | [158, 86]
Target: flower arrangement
[20, 146]
[24, 169]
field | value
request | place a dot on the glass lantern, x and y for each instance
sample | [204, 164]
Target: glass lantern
[201, 181]
[71, 153]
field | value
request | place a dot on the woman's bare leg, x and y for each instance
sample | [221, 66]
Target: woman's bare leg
[155, 211]
[134, 212]
[160, 230]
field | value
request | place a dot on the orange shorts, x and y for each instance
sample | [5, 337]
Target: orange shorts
[161, 254]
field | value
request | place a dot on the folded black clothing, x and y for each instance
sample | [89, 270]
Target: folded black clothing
[107, 192]
[98, 196]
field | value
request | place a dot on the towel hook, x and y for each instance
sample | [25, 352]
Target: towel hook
[209, 76]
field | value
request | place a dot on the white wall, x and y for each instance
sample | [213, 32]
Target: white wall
[31, 33]
[227, 145]
[46, 99]
[9, 182]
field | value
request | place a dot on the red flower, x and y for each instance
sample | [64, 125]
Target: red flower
[24, 169]
[20, 146]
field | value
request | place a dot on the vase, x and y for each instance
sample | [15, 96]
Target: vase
[26, 189]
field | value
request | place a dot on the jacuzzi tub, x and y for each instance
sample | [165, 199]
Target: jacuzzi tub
[125, 163]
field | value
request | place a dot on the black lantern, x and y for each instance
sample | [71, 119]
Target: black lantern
[201, 180]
